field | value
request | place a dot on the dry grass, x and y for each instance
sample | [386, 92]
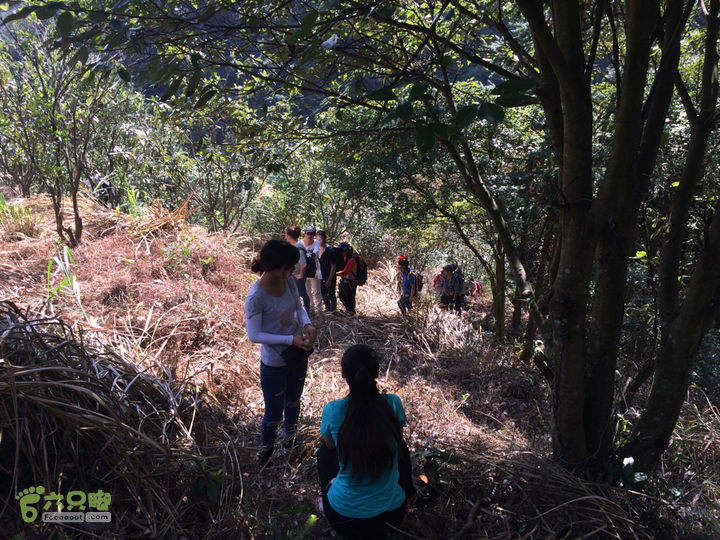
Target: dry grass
[168, 298]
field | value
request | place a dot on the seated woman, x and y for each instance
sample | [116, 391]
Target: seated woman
[364, 464]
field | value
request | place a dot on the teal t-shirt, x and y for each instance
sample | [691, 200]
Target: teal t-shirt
[362, 499]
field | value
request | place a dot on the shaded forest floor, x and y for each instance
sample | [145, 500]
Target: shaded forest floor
[168, 298]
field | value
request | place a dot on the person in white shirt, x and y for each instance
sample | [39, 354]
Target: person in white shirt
[312, 284]
[292, 236]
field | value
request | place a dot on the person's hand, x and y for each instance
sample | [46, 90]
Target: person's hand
[302, 342]
[311, 333]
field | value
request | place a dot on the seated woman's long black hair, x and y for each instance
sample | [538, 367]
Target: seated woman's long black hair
[371, 433]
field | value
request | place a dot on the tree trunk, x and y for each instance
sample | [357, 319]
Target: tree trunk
[498, 305]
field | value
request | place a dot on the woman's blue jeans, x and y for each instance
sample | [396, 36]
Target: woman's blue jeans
[282, 389]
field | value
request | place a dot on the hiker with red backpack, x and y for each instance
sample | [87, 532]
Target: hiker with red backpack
[354, 273]
[409, 285]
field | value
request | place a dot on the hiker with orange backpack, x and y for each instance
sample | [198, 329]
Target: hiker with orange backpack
[409, 285]
[348, 278]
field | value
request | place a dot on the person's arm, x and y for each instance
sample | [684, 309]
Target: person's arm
[333, 267]
[413, 286]
[412, 292]
[302, 261]
[325, 425]
[330, 443]
[256, 335]
[349, 267]
[456, 288]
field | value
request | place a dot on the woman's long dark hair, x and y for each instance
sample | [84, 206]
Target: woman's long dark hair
[275, 254]
[371, 433]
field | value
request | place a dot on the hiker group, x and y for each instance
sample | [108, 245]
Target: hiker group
[319, 266]
[363, 462]
[450, 286]
[325, 274]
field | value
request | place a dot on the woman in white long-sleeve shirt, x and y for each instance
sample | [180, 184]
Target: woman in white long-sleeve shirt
[277, 319]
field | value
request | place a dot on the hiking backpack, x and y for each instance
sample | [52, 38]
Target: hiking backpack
[311, 264]
[360, 269]
[419, 280]
[464, 285]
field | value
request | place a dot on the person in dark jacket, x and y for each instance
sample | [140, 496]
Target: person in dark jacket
[348, 278]
[328, 257]
[409, 285]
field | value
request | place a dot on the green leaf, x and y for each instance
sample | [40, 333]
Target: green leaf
[116, 39]
[641, 254]
[359, 87]
[329, 4]
[118, 24]
[466, 116]
[404, 111]
[124, 74]
[665, 138]
[307, 22]
[45, 12]
[383, 94]
[419, 89]
[207, 13]
[194, 58]
[434, 111]
[20, 14]
[494, 114]
[388, 118]
[213, 493]
[98, 16]
[442, 131]
[172, 89]
[424, 138]
[205, 97]
[80, 56]
[385, 11]
[446, 61]
[64, 24]
[158, 74]
[513, 86]
[193, 83]
[513, 100]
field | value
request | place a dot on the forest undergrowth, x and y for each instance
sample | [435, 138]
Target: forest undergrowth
[157, 332]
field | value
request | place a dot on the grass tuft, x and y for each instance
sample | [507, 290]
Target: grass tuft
[18, 221]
